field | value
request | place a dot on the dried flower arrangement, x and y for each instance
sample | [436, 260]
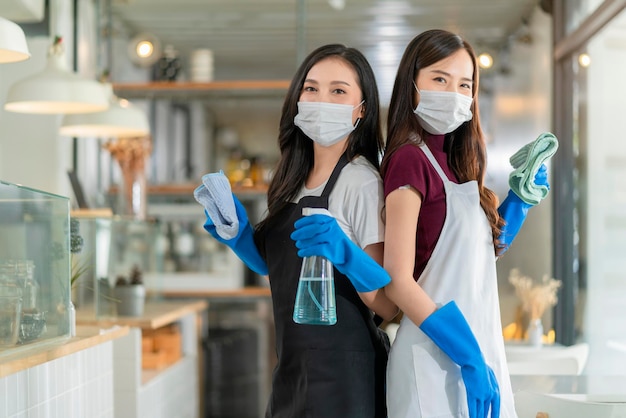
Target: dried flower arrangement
[535, 297]
[131, 154]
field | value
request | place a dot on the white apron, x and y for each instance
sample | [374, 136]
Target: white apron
[422, 381]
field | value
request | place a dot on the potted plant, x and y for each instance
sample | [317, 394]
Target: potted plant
[131, 294]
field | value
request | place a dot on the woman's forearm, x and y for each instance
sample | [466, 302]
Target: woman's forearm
[379, 302]
[410, 298]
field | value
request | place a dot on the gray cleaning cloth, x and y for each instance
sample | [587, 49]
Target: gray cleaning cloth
[216, 196]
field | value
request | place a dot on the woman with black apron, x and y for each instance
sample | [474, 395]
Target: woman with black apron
[330, 141]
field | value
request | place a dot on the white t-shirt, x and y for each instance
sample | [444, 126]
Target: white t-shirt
[356, 202]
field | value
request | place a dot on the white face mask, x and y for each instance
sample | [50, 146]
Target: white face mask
[441, 112]
[325, 123]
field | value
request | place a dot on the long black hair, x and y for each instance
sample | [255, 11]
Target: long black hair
[296, 149]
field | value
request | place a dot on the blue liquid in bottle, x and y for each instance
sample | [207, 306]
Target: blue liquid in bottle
[315, 298]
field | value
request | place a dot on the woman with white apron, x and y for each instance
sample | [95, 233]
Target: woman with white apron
[447, 359]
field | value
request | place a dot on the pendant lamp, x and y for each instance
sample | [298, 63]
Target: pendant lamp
[13, 47]
[56, 90]
[120, 120]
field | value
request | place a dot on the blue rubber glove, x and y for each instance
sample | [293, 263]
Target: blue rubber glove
[514, 211]
[243, 243]
[321, 235]
[448, 329]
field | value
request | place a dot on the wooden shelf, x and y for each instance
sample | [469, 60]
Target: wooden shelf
[210, 90]
[188, 188]
[243, 293]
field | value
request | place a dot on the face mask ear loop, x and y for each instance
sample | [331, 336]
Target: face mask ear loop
[358, 119]
[418, 92]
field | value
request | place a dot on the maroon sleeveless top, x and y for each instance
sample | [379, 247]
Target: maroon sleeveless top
[410, 166]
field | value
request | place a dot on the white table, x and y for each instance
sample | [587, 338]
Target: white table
[585, 385]
[571, 396]
[554, 359]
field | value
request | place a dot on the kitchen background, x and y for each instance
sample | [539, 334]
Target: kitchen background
[195, 132]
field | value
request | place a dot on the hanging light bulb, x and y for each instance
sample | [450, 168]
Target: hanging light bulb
[337, 4]
[584, 60]
[120, 120]
[13, 47]
[144, 50]
[485, 60]
[56, 90]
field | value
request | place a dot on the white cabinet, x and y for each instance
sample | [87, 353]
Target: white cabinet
[171, 391]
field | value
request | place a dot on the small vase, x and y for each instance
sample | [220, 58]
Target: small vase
[132, 197]
[535, 333]
[132, 155]
[131, 299]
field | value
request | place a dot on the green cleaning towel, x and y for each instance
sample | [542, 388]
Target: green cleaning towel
[526, 163]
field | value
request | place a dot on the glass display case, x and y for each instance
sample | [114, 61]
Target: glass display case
[192, 258]
[35, 301]
[114, 249]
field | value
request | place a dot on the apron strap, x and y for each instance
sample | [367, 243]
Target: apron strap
[343, 161]
[434, 162]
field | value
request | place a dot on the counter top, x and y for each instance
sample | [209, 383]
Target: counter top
[34, 354]
[156, 314]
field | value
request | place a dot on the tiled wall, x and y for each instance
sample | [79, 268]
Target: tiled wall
[76, 386]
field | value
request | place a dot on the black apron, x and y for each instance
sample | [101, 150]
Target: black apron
[322, 371]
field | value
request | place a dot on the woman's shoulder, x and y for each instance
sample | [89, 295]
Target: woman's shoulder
[408, 165]
[407, 153]
[409, 149]
[360, 166]
[357, 176]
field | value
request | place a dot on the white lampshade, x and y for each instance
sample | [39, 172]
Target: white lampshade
[56, 90]
[13, 46]
[120, 120]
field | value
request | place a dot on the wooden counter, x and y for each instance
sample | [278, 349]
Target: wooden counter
[156, 314]
[35, 354]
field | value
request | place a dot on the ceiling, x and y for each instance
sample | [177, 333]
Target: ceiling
[266, 39]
